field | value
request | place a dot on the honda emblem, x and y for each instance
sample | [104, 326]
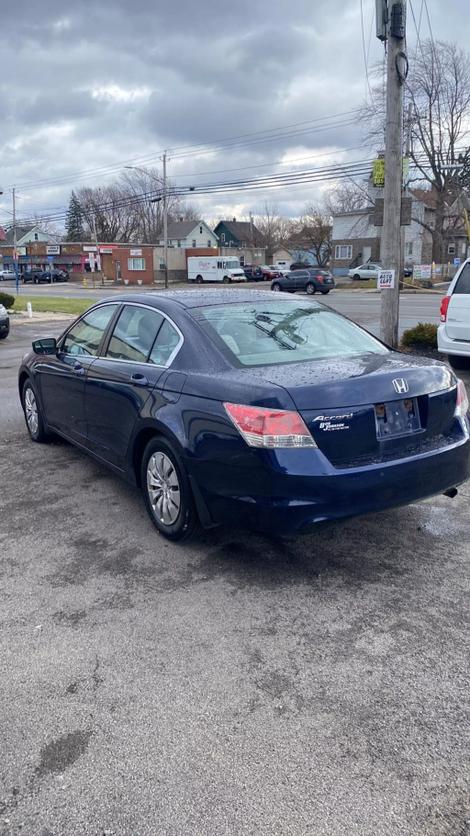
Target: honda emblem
[400, 385]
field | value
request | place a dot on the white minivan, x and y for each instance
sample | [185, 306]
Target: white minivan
[453, 334]
[215, 268]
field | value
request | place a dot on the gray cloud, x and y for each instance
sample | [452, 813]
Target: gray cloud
[88, 86]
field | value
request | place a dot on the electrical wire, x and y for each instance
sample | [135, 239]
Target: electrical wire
[267, 135]
[364, 52]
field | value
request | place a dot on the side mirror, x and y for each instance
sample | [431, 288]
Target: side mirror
[48, 345]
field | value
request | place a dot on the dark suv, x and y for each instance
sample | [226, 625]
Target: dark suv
[312, 280]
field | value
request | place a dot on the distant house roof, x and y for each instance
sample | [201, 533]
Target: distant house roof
[244, 231]
[426, 196]
[181, 229]
[21, 231]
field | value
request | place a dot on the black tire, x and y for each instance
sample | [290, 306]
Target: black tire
[226, 280]
[356, 277]
[325, 292]
[4, 335]
[37, 431]
[186, 522]
[199, 280]
[458, 362]
[310, 288]
[277, 287]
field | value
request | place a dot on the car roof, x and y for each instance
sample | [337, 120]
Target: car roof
[193, 298]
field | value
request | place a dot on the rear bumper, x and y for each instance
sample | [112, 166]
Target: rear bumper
[448, 346]
[287, 495]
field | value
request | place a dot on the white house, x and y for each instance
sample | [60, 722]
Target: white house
[25, 235]
[190, 234]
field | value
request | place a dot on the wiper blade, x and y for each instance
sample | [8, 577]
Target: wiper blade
[271, 333]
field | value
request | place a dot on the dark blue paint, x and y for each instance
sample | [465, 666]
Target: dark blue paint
[110, 407]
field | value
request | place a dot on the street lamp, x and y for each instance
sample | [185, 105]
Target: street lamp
[163, 197]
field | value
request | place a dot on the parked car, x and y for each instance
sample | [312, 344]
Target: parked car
[7, 275]
[4, 322]
[30, 275]
[49, 276]
[276, 268]
[453, 334]
[234, 406]
[253, 273]
[269, 273]
[310, 281]
[408, 271]
[299, 265]
[365, 271]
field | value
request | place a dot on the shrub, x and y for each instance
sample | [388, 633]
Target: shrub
[7, 299]
[423, 335]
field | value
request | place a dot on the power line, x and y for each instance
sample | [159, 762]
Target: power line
[267, 135]
[364, 52]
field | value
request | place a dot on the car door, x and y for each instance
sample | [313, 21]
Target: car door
[300, 280]
[135, 356]
[458, 313]
[61, 377]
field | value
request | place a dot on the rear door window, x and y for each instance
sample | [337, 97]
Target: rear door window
[166, 345]
[134, 334]
[463, 281]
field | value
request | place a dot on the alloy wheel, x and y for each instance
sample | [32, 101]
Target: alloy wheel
[31, 411]
[163, 488]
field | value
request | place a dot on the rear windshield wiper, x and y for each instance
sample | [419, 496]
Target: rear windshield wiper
[271, 332]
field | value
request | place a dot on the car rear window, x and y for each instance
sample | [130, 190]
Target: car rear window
[463, 281]
[274, 332]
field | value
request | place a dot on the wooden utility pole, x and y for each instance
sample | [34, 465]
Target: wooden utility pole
[405, 187]
[165, 221]
[391, 239]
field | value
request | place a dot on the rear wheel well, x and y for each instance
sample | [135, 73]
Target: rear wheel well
[140, 444]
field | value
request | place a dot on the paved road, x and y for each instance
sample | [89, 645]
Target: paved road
[238, 685]
[362, 306]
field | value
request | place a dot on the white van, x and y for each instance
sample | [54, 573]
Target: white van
[215, 268]
[453, 334]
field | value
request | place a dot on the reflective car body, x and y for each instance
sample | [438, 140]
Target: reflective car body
[233, 362]
[4, 322]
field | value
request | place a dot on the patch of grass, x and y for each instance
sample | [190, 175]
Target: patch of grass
[367, 284]
[423, 335]
[53, 304]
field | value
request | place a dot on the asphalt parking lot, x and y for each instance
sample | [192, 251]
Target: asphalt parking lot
[238, 685]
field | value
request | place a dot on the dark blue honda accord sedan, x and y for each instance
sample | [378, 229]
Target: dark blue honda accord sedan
[240, 407]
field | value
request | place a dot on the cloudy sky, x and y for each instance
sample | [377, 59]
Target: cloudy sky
[88, 87]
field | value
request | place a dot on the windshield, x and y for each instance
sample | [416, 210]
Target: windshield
[231, 265]
[271, 332]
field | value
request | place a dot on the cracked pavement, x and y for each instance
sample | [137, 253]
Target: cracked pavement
[241, 684]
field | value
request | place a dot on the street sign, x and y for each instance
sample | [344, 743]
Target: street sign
[53, 249]
[386, 279]
[456, 262]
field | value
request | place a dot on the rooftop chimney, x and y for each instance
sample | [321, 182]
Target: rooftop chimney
[234, 220]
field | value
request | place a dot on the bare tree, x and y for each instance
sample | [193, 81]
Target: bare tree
[313, 232]
[438, 87]
[346, 197]
[274, 230]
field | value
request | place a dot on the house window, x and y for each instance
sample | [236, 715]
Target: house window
[178, 243]
[451, 249]
[136, 263]
[169, 242]
[222, 237]
[36, 236]
[409, 248]
[209, 243]
[343, 251]
[200, 230]
[194, 242]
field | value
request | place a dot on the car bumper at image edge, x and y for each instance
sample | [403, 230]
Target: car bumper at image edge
[298, 502]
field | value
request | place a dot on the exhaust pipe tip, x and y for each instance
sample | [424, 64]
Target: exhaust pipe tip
[451, 493]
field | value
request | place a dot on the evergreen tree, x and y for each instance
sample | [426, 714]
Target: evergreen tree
[74, 223]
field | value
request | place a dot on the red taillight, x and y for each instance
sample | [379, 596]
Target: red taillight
[462, 406]
[261, 427]
[444, 306]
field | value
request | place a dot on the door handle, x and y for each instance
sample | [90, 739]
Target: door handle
[139, 379]
[78, 368]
